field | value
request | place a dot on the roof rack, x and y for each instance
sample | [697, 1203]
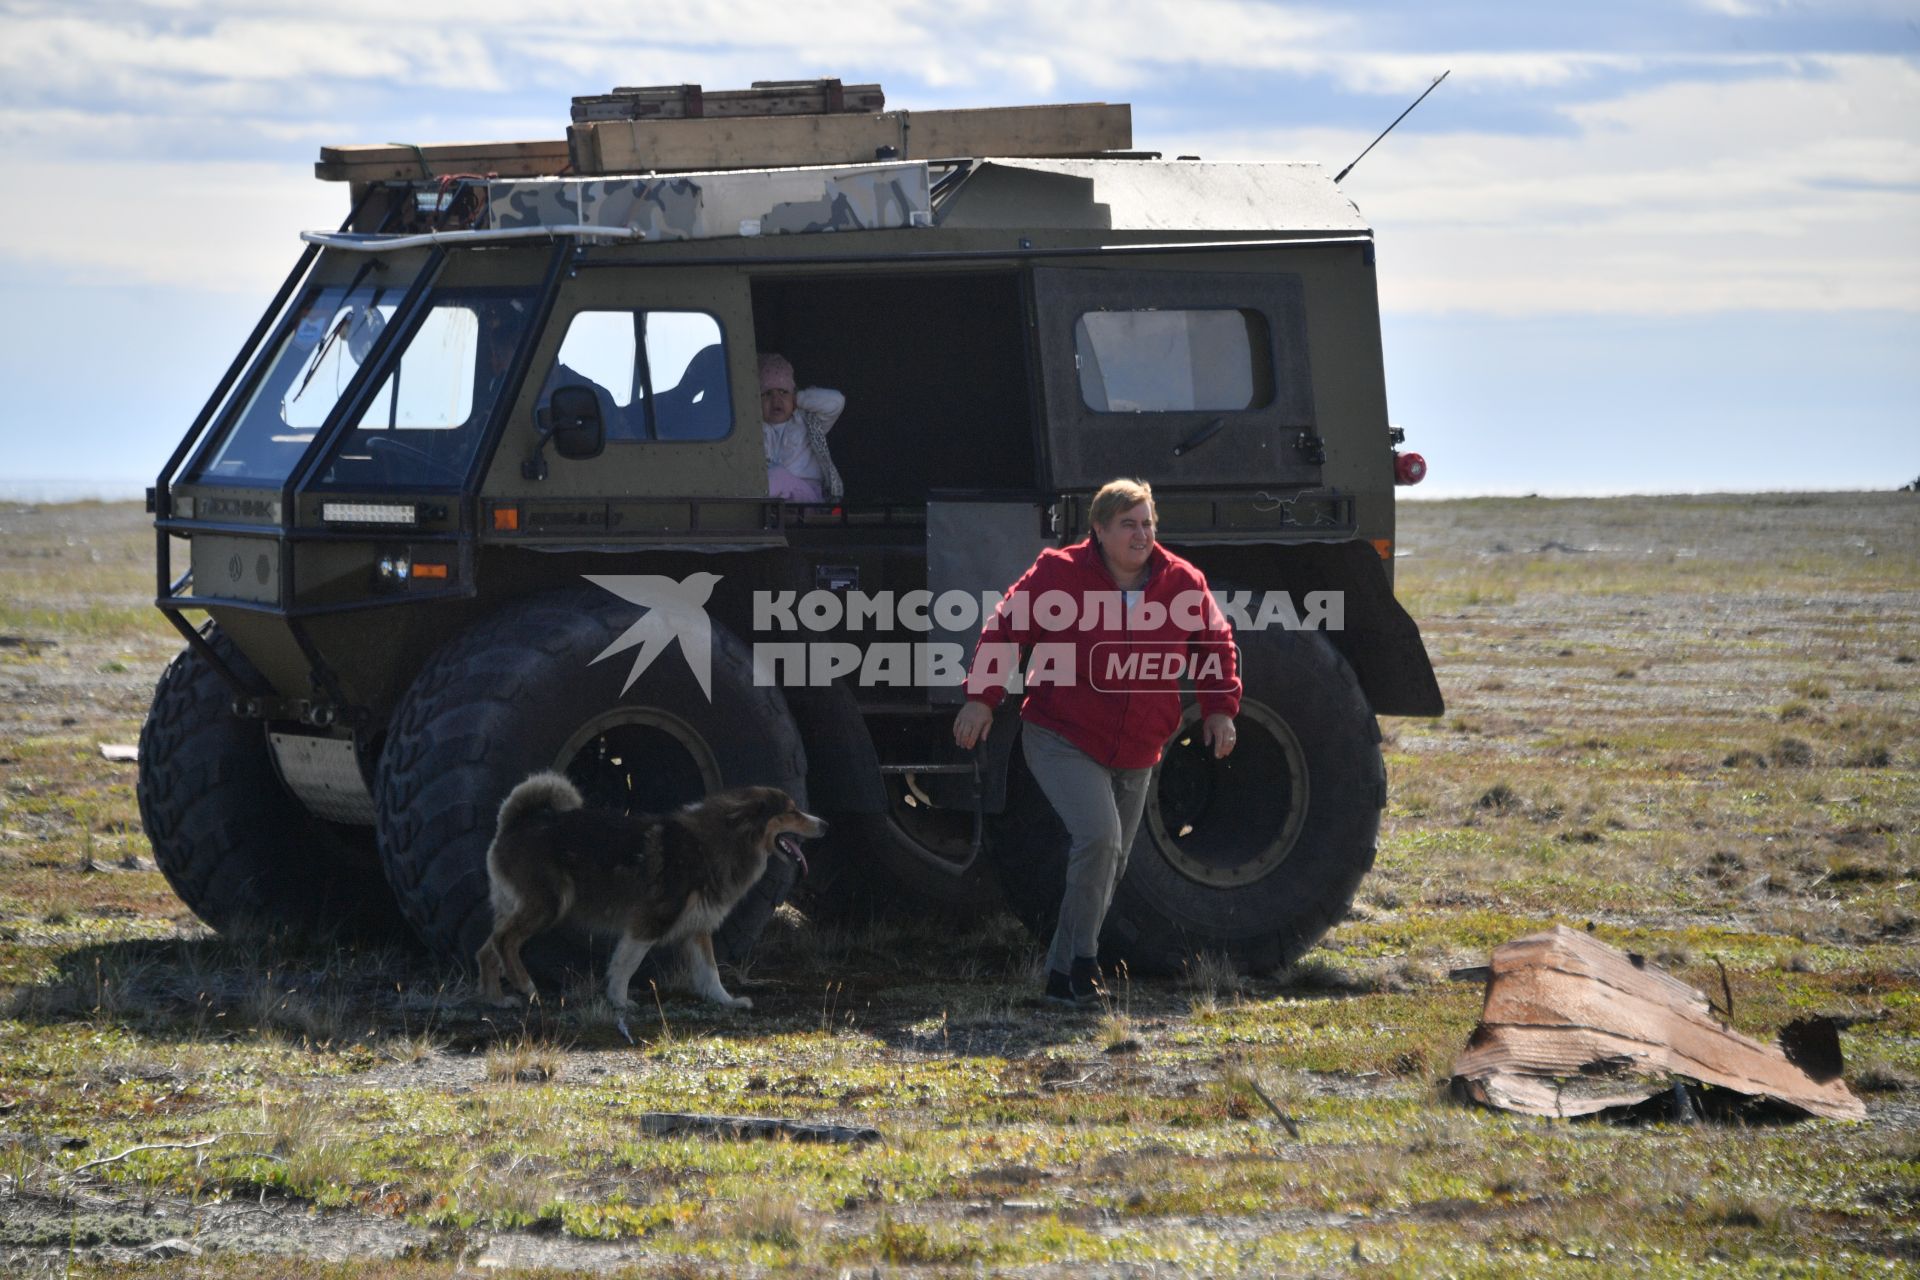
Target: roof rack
[775, 124]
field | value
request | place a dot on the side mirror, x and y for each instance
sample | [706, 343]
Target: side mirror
[571, 419]
[574, 423]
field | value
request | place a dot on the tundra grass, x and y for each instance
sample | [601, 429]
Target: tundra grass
[1691, 733]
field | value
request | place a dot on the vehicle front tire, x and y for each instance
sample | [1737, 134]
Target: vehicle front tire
[900, 865]
[1255, 856]
[525, 691]
[235, 844]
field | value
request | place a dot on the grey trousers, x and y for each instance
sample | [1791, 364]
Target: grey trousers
[1101, 808]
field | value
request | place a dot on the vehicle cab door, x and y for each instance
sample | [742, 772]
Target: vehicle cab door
[1185, 378]
[668, 356]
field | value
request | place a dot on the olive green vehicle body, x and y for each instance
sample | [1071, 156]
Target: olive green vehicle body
[953, 338]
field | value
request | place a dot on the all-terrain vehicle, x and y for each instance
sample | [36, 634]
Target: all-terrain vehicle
[485, 493]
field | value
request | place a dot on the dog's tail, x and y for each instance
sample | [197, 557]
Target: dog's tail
[552, 791]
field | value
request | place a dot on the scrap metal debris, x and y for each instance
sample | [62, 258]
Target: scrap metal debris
[1573, 1026]
[661, 1124]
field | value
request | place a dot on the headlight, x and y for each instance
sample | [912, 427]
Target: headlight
[369, 513]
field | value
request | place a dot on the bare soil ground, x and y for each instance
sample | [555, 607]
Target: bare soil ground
[1688, 723]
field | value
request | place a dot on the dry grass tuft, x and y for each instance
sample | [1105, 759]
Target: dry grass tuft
[1317, 973]
[1499, 798]
[771, 1217]
[1882, 1077]
[313, 1148]
[512, 1191]
[1209, 975]
[410, 1048]
[1117, 1033]
[525, 1060]
[1790, 753]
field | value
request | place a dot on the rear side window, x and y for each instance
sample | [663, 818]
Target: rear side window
[1153, 361]
[658, 375]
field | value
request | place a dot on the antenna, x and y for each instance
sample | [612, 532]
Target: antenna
[1396, 120]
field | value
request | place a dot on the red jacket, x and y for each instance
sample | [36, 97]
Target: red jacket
[1106, 676]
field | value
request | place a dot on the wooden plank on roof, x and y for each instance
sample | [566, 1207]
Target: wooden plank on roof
[630, 146]
[759, 142]
[1076, 129]
[394, 161]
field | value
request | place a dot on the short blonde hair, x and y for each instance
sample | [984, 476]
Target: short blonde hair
[1116, 496]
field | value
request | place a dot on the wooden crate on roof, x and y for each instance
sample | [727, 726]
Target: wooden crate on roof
[765, 98]
[1073, 130]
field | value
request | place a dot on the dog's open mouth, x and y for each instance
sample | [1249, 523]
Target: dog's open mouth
[789, 844]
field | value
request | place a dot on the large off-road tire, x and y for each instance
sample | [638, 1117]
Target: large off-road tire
[1255, 856]
[521, 692]
[234, 843]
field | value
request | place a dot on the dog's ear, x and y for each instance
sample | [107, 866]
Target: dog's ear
[770, 803]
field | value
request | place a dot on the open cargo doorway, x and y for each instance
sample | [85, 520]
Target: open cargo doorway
[936, 371]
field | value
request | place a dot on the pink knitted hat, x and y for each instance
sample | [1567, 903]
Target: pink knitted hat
[776, 373]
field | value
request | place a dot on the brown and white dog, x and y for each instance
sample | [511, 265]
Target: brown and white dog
[647, 879]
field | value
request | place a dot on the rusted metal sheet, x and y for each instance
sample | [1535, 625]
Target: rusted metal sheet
[1573, 1026]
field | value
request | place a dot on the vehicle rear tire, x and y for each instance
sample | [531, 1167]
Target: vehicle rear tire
[524, 691]
[240, 849]
[1255, 856]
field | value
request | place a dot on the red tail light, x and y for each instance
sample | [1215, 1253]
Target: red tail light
[1409, 468]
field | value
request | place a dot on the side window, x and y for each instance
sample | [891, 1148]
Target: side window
[659, 375]
[1173, 361]
[598, 349]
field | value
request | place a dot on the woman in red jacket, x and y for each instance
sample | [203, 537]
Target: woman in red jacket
[1114, 623]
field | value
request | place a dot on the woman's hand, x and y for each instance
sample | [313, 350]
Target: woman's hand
[1218, 732]
[972, 725]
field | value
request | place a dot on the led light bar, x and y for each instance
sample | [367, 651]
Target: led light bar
[369, 513]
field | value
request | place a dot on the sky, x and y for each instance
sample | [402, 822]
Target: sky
[1642, 246]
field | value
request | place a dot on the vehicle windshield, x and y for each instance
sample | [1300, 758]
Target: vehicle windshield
[420, 428]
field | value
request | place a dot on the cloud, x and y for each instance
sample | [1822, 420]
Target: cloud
[65, 54]
[1901, 10]
[203, 227]
[130, 51]
[1790, 191]
[1668, 182]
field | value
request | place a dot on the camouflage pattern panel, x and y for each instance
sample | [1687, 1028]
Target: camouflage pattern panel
[533, 202]
[660, 208]
[711, 206]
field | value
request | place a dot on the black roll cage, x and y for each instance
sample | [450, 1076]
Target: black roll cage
[372, 374]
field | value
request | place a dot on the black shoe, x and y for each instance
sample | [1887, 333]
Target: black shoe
[1080, 988]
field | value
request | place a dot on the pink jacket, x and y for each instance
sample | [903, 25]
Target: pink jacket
[1104, 675]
